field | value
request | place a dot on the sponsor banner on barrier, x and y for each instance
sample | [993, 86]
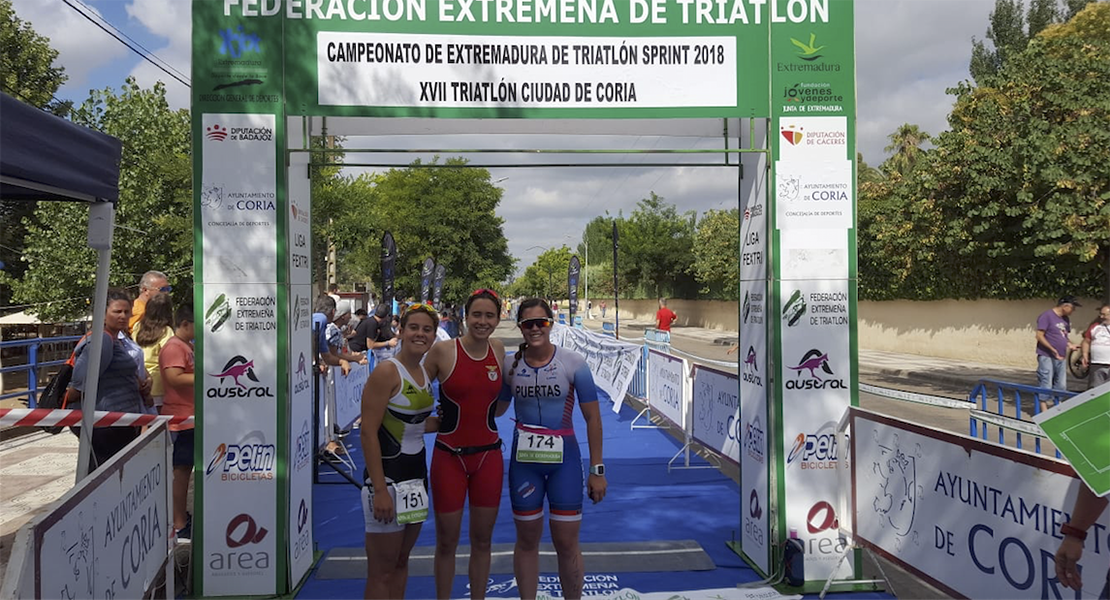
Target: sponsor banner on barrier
[238, 198]
[239, 446]
[448, 71]
[814, 195]
[977, 519]
[612, 362]
[665, 375]
[716, 410]
[300, 374]
[813, 254]
[109, 536]
[348, 394]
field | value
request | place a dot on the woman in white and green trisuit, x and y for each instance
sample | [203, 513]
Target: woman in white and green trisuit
[396, 413]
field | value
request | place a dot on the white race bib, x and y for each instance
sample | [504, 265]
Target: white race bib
[532, 447]
[411, 501]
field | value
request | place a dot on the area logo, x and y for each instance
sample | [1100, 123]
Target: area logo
[216, 133]
[302, 516]
[753, 528]
[808, 52]
[251, 534]
[237, 42]
[827, 519]
[241, 535]
[794, 309]
[791, 136]
[813, 361]
[304, 533]
[234, 372]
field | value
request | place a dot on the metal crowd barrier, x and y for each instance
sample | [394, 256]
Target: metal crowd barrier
[33, 366]
[1003, 394]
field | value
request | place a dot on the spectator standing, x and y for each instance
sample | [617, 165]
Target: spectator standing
[1053, 327]
[1096, 349]
[664, 316]
[603, 306]
[177, 365]
[151, 283]
[376, 333]
[119, 388]
[151, 334]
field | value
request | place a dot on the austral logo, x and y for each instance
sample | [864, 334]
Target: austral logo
[216, 133]
[751, 368]
[814, 361]
[303, 381]
[235, 372]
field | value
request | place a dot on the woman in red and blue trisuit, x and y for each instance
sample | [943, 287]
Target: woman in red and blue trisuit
[467, 459]
[545, 460]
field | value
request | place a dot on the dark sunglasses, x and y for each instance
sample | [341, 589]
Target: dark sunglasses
[534, 323]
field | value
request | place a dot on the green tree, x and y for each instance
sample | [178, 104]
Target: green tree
[905, 148]
[1011, 29]
[1014, 201]
[716, 247]
[27, 63]
[656, 249]
[444, 210]
[153, 215]
[865, 173]
[546, 277]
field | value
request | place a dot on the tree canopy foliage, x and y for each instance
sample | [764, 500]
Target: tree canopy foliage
[1014, 200]
[153, 215]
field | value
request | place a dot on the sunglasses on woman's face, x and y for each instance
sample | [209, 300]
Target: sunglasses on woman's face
[534, 323]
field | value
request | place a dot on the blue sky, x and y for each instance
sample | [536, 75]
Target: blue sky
[907, 53]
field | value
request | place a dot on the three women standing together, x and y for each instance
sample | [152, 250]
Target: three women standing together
[475, 387]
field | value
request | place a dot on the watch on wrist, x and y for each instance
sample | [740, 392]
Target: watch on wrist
[599, 470]
[1074, 532]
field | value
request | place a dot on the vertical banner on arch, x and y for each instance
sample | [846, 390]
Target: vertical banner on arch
[812, 300]
[573, 271]
[437, 286]
[426, 279]
[242, 300]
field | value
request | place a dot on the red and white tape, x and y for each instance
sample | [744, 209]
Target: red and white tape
[46, 417]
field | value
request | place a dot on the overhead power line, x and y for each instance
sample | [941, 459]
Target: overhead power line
[145, 55]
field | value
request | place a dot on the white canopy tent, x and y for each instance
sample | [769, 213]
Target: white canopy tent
[44, 157]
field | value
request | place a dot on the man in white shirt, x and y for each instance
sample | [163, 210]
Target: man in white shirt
[1096, 349]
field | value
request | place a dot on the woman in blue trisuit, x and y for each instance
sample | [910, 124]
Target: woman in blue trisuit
[544, 381]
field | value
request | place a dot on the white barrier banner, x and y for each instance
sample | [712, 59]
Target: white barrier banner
[109, 536]
[665, 374]
[717, 412]
[977, 519]
[612, 362]
[348, 394]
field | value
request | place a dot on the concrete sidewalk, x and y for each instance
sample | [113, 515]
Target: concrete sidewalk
[878, 367]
